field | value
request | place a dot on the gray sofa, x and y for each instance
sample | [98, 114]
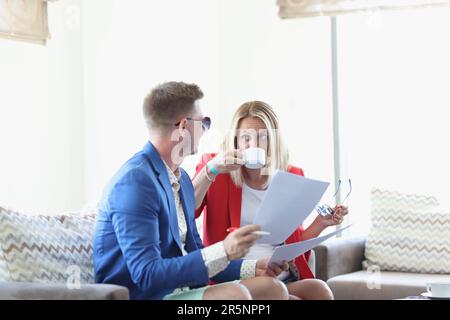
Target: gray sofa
[339, 263]
[36, 251]
[46, 291]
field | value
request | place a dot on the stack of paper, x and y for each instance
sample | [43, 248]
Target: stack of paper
[289, 200]
[293, 250]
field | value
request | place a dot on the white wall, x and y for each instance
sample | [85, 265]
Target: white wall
[99, 72]
[234, 52]
[129, 47]
[394, 80]
[41, 130]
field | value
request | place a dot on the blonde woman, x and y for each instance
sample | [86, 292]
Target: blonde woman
[228, 193]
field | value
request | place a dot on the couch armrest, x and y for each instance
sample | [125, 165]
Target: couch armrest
[53, 291]
[312, 262]
[339, 256]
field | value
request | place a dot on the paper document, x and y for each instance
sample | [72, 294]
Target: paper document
[288, 201]
[293, 250]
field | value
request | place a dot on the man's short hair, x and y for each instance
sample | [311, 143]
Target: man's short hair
[168, 102]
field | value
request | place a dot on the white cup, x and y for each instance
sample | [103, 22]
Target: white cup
[439, 289]
[255, 158]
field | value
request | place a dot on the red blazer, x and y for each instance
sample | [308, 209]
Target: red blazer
[222, 210]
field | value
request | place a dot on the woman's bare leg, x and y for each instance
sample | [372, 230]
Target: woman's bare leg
[266, 288]
[310, 289]
[227, 291]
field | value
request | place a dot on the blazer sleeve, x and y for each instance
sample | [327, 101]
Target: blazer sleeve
[231, 273]
[134, 210]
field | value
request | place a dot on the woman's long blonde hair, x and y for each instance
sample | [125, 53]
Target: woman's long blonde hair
[277, 157]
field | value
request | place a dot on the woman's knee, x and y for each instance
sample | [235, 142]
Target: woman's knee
[242, 292]
[238, 291]
[312, 289]
[274, 288]
[229, 291]
[324, 289]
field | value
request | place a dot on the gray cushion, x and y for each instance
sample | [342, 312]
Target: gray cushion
[339, 256]
[41, 291]
[391, 285]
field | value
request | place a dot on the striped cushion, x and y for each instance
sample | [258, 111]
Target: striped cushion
[384, 199]
[46, 248]
[408, 233]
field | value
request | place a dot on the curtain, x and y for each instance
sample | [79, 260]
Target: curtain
[24, 20]
[311, 8]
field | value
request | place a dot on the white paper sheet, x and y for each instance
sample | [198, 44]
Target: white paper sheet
[288, 201]
[293, 250]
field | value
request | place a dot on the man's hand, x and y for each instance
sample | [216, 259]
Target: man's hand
[238, 242]
[263, 269]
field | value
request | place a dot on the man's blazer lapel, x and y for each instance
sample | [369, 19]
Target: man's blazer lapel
[163, 177]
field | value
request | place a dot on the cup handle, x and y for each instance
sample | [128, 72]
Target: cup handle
[429, 288]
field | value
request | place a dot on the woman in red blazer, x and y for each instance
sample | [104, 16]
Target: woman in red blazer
[224, 188]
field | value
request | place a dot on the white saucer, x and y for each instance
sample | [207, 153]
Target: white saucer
[428, 295]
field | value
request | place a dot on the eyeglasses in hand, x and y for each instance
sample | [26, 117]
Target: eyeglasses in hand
[324, 209]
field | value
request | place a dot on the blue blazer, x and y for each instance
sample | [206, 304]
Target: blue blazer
[137, 242]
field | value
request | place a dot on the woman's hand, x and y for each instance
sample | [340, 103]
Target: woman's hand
[228, 161]
[336, 218]
[263, 269]
[224, 162]
[322, 222]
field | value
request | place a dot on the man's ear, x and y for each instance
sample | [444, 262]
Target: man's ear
[182, 124]
[182, 127]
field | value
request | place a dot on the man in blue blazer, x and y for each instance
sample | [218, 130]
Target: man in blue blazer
[146, 238]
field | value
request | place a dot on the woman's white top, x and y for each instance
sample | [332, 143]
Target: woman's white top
[251, 200]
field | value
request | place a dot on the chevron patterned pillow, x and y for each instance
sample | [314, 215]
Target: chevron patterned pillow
[382, 199]
[408, 234]
[46, 248]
